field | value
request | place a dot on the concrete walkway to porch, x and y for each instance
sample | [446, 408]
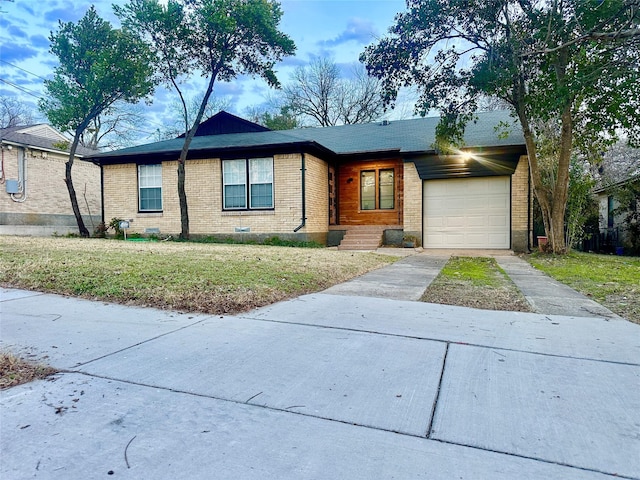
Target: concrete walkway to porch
[406, 279]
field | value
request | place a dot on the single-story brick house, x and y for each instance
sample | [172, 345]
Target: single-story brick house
[34, 199]
[328, 184]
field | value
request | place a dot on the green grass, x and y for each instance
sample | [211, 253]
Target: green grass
[211, 278]
[479, 271]
[476, 282]
[613, 281]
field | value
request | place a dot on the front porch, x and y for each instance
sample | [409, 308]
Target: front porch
[364, 237]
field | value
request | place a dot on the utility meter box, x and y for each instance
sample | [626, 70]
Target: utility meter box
[12, 186]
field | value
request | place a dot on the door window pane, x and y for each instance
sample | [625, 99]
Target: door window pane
[368, 190]
[387, 190]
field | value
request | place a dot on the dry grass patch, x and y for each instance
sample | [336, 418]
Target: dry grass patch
[475, 282]
[209, 278]
[16, 371]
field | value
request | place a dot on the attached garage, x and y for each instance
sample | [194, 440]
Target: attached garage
[467, 213]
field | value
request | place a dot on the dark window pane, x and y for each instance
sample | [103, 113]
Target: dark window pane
[262, 195]
[151, 199]
[234, 196]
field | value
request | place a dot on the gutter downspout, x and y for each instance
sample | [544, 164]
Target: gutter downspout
[102, 193]
[303, 169]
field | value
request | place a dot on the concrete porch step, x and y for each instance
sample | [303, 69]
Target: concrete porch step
[362, 238]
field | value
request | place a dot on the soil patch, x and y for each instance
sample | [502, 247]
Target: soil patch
[15, 371]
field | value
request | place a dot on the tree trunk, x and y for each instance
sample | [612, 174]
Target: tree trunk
[182, 196]
[72, 191]
[552, 200]
[561, 187]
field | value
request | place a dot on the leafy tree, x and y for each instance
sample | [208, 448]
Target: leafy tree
[573, 62]
[221, 39]
[581, 204]
[318, 93]
[13, 112]
[628, 197]
[283, 120]
[99, 66]
[273, 118]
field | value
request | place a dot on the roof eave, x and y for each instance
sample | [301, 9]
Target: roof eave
[36, 147]
[219, 152]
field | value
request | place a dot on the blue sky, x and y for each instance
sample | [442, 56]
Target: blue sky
[339, 29]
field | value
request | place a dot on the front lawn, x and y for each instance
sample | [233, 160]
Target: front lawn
[613, 281]
[209, 278]
[476, 282]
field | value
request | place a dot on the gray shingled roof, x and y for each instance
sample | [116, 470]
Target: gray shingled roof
[14, 135]
[404, 136]
[209, 143]
[409, 136]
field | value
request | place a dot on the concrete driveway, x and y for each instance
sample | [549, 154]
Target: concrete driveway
[325, 386]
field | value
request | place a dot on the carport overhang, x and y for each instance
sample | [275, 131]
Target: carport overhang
[467, 162]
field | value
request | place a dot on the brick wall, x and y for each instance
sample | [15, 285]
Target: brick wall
[47, 203]
[203, 185]
[412, 200]
[520, 206]
[317, 195]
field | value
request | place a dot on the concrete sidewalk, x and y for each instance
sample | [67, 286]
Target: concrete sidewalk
[324, 386]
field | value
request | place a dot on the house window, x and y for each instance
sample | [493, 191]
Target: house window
[150, 187]
[377, 189]
[247, 183]
[234, 177]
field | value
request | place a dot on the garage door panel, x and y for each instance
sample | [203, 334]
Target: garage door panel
[496, 239]
[436, 223]
[467, 213]
[476, 239]
[474, 221]
[454, 222]
[497, 221]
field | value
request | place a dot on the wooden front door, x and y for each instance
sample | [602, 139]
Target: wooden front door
[370, 193]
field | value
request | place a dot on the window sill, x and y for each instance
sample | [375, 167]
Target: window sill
[247, 213]
[149, 214]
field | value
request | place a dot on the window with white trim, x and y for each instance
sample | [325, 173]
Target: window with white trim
[247, 184]
[150, 188]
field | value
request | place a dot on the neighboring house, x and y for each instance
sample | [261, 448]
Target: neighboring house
[619, 223]
[34, 197]
[331, 184]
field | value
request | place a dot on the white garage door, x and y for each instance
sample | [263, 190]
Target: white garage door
[467, 213]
